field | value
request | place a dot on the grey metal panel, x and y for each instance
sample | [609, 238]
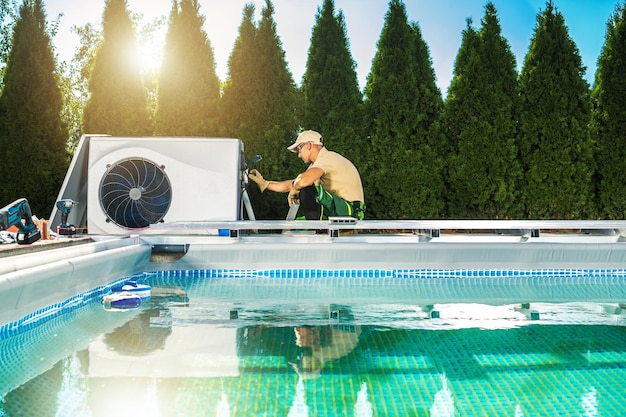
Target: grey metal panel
[333, 254]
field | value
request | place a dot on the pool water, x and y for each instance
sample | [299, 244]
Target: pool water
[245, 346]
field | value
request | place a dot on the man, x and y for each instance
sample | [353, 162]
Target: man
[330, 186]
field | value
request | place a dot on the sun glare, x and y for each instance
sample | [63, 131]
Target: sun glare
[151, 20]
[150, 54]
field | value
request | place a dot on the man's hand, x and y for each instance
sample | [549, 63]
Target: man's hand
[256, 176]
[294, 197]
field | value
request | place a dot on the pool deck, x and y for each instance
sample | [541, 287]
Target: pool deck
[12, 249]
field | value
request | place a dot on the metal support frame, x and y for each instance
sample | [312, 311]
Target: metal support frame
[430, 229]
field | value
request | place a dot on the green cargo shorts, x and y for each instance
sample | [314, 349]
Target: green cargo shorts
[333, 206]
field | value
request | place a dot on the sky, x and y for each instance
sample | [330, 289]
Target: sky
[441, 21]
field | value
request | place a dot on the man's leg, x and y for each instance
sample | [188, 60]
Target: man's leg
[308, 205]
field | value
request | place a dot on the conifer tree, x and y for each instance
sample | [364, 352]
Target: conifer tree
[402, 108]
[332, 99]
[118, 102]
[240, 89]
[189, 88]
[554, 117]
[456, 113]
[33, 136]
[259, 105]
[609, 118]
[480, 117]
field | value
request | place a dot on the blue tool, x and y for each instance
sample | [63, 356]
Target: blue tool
[18, 214]
[65, 206]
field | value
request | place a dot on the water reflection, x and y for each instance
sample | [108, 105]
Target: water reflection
[223, 408]
[137, 337]
[320, 345]
[299, 407]
[363, 407]
[589, 403]
[188, 357]
[118, 367]
[443, 406]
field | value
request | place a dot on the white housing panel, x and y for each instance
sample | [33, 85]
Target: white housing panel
[204, 173]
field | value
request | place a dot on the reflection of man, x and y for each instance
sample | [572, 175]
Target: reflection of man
[323, 344]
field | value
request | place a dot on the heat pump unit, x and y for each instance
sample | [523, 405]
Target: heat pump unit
[137, 182]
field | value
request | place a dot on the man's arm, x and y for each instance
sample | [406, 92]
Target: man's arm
[308, 177]
[280, 186]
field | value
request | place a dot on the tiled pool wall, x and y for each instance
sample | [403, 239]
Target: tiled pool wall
[386, 273]
[35, 281]
[599, 283]
[38, 317]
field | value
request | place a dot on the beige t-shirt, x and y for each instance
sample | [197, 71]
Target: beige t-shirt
[340, 176]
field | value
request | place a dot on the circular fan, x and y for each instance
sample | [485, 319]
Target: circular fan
[135, 193]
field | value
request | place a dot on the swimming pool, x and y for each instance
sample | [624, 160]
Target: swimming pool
[314, 342]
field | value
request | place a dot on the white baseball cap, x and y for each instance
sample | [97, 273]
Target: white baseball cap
[308, 136]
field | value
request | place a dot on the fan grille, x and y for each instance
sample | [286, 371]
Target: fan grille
[135, 193]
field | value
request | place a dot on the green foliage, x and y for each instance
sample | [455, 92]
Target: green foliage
[75, 94]
[555, 112]
[32, 133]
[480, 117]
[189, 88]
[118, 104]
[9, 12]
[259, 105]
[513, 147]
[609, 118]
[402, 107]
[85, 53]
[74, 80]
[332, 99]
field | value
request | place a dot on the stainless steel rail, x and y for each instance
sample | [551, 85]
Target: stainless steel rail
[341, 223]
